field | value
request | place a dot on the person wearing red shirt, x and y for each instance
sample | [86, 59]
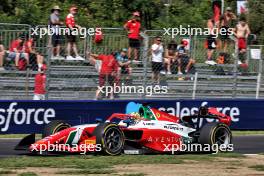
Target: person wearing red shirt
[40, 84]
[35, 57]
[17, 51]
[2, 54]
[133, 27]
[72, 26]
[108, 71]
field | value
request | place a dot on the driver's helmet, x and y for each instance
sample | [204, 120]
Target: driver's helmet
[136, 115]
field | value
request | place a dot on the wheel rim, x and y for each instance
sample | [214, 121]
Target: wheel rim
[222, 136]
[113, 140]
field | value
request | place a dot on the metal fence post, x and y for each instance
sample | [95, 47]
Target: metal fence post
[258, 85]
[195, 85]
[235, 70]
[145, 61]
[259, 76]
[27, 83]
[49, 52]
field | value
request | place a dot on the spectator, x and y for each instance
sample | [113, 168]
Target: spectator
[210, 42]
[242, 32]
[17, 51]
[56, 40]
[224, 25]
[185, 61]
[133, 27]
[36, 59]
[72, 26]
[124, 64]
[2, 54]
[108, 72]
[95, 62]
[157, 58]
[40, 84]
[171, 56]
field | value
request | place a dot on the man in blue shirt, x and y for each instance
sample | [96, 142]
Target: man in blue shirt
[124, 64]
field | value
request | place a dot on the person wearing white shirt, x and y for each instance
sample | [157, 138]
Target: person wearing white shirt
[157, 59]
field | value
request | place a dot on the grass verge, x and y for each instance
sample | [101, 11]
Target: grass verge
[5, 172]
[247, 133]
[258, 167]
[101, 165]
[4, 136]
[101, 162]
[28, 174]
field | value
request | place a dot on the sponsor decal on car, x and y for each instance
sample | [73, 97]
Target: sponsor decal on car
[173, 127]
[149, 123]
[90, 141]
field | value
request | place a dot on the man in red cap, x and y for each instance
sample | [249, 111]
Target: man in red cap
[133, 27]
[40, 84]
[71, 25]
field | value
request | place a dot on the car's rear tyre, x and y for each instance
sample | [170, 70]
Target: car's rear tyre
[215, 133]
[110, 137]
[54, 127]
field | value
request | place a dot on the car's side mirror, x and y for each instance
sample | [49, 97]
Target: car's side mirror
[203, 111]
[98, 120]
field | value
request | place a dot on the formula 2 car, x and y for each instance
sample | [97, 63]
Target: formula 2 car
[146, 131]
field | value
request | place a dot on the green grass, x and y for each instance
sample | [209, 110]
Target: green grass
[247, 133]
[97, 164]
[28, 174]
[4, 172]
[89, 162]
[136, 174]
[3, 136]
[231, 168]
[229, 155]
[103, 162]
[258, 167]
[86, 172]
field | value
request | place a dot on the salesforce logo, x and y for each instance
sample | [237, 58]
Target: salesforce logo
[20, 116]
[180, 111]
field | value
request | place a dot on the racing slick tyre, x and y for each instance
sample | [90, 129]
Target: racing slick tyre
[215, 133]
[110, 137]
[54, 127]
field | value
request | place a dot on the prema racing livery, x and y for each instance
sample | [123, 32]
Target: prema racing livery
[146, 131]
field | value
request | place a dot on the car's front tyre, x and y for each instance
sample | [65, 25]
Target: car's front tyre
[110, 137]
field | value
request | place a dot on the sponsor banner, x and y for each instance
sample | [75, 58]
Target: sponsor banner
[241, 6]
[31, 116]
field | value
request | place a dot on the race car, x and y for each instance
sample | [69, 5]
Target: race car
[146, 131]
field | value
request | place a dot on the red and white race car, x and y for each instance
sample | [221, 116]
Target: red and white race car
[146, 131]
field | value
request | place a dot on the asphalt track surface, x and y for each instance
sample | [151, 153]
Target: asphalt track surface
[242, 144]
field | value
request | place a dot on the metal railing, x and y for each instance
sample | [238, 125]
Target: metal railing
[79, 79]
